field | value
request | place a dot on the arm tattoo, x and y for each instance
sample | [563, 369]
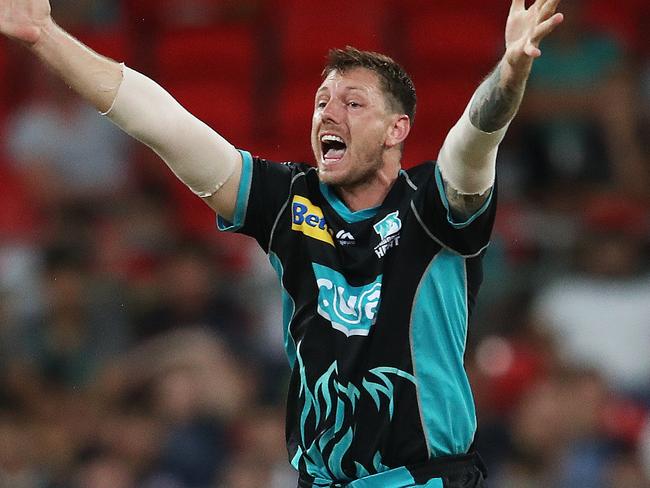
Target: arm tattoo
[464, 206]
[495, 104]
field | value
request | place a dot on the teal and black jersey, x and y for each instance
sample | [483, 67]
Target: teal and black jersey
[376, 304]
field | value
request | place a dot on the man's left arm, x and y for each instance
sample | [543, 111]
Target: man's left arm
[467, 159]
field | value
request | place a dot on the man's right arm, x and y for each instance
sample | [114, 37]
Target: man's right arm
[200, 157]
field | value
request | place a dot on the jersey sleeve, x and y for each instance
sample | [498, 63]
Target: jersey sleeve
[467, 237]
[263, 191]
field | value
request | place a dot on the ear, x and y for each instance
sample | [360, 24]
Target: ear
[398, 130]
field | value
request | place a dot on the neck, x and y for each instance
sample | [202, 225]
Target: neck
[369, 193]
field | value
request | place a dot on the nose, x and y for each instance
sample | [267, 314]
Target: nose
[331, 112]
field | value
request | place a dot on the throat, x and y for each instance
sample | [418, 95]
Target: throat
[366, 195]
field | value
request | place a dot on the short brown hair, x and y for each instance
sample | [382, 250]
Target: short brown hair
[396, 83]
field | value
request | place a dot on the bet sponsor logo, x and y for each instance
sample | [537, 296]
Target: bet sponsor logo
[308, 219]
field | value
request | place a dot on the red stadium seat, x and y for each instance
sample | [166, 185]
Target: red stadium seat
[18, 216]
[4, 81]
[224, 105]
[309, 30]
[113, 43]
[443, 98]
[294, 118]
[453, 40]
[623, 19]
[418, 149]
[223, 51]
[467, 5]
[210, 70]
[440, 103]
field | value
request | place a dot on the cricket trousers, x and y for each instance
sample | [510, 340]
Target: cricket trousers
[465, 471]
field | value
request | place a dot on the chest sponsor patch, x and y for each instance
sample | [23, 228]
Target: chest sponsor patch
[308, 219]
[350, 309]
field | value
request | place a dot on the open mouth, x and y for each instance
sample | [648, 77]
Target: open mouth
[333, 147]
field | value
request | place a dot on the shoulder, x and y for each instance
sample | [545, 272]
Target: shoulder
[287, 167]
[272, 174]
[421, 173]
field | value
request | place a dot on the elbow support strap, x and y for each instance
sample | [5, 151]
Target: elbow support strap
[197, 155]
[467, 160]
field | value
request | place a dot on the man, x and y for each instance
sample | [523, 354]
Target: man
[379, 266]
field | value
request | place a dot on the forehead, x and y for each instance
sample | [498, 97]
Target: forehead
[352, 79]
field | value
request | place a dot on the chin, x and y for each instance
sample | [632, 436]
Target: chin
[341, 180]
[330, 178]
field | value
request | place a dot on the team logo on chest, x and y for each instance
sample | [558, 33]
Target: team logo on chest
[388, 229]
[308, 219]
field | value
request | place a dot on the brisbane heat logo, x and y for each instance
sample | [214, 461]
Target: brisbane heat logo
[389, 233]
[308, 219]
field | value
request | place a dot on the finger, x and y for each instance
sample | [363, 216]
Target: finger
[545, 28]
[539, 4]
[532, 50]
[548, 9]
[518, 5]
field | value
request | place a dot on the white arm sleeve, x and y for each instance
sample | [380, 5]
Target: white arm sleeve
[197, 155]
[467, 160]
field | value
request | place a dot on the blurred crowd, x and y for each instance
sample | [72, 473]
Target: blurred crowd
[141, 349]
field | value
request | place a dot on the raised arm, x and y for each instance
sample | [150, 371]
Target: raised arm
[468, 157]
[200, 157]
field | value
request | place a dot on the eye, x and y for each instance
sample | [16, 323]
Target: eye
[321, 104]
[354, 104]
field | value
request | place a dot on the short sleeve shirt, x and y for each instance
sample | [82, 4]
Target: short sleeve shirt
[376, 304]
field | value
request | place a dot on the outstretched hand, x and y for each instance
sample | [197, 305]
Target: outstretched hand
[525, 29]
[24, 20]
